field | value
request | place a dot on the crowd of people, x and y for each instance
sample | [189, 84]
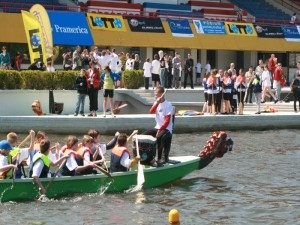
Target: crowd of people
[225, 90]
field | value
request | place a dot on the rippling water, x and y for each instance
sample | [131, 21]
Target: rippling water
[257, 183]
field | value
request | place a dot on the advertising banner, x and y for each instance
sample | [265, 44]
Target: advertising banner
[106, 22]
[141, 24]
[180, 28]
[41, 15]
[241, 29]
[269, 31]
[291, 33]
[70, 28]
[34, 36]
[209, 27]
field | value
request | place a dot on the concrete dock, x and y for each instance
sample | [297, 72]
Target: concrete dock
[135, 116]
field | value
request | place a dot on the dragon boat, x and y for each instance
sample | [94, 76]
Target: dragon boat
[176, 168]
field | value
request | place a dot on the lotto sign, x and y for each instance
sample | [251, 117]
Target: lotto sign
[106, 22]
[242, 29]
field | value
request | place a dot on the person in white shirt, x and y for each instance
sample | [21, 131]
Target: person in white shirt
[50, 63]
[198, 72]
[129, 62]
[114, 61]
[147, 72]
[266, 85]
[163, 129]
[42, 163]
[293, 19]
[120, 156]
[155, 72]
[6, 166]
[207, 67]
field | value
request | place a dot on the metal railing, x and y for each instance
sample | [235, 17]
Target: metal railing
[16, 7]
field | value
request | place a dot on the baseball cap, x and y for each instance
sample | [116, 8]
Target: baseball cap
[5, 145]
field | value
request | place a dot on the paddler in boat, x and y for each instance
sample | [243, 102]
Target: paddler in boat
[41, 164]
[20, 153]
[71, 168]
[6, 166]
[40, 135]
[98, 148]
[164, 126]
[85, 156]
[120, 156]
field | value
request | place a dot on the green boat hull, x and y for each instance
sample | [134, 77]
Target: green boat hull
[26, 189]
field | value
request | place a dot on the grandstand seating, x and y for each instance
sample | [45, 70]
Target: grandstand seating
[15, 6]
[114, 7]
[168, 10]
[262, 11]
[216, 10]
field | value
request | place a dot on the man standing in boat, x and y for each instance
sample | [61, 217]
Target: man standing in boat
[164, 125]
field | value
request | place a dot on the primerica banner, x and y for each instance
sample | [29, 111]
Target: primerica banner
[209, 27]
[141, 24]
[268, 31]
[106, 22]
[70, 28]
[35, 38]
[180, 28]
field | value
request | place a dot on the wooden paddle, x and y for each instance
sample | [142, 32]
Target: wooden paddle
[223, 104]
[55, 174]
[140, 175]
[24, 141]
[102, 156]
[18, 157]
[117, 109]
[213, 107]
[98, 167]
[240, 103]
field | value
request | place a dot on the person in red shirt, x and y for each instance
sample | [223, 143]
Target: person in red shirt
[278, 76]
[272, 66]
[17, 62]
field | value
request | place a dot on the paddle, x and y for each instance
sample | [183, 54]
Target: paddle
[213, 107]
[223, 110]
[55, 174]
[140, 175]
[18, 157]
[24, 141]
[117, 109]
[98, 167]
[240, 103]
[102, 156]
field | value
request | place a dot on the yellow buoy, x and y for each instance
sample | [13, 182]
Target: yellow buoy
[174, 217]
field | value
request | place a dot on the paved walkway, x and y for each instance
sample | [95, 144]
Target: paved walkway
[67, 124]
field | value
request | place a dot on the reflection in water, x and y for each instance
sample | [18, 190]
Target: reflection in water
[257, 183]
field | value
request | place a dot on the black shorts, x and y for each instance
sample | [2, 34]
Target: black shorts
[155, 77]
[198, 75]
[227, 96]
[108, 93]
[205, 96]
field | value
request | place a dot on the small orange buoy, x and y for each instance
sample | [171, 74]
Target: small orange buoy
[174, 217]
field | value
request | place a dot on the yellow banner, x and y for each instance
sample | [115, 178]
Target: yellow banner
[106, 22]
[35, 39]
[242, 29]
[42, 16]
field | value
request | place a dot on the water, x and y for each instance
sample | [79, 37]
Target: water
[257, 183]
